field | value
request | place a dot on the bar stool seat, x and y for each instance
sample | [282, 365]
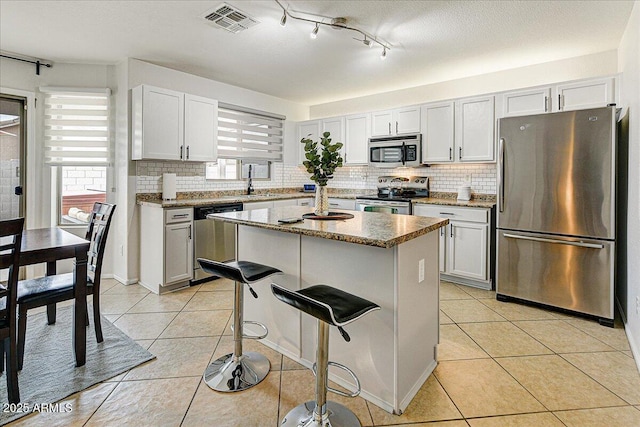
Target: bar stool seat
[238, 371]
[335, 307]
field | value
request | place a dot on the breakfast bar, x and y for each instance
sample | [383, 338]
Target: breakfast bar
[391, 260]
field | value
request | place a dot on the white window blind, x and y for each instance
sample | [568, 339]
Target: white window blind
[249, 135]
[76, 127]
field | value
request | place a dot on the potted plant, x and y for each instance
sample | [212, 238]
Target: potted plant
[322, 160]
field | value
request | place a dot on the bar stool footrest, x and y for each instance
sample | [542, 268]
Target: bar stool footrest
[350, 372]
[254, 337]
[337, 416]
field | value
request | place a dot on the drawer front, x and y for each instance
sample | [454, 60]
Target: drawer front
[452, 212]
[178, 215]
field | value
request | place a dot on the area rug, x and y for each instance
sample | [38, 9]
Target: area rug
[49, 373]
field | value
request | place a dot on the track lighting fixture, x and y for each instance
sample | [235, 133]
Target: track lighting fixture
[338, 23]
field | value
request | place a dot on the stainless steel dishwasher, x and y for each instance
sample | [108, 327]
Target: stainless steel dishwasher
[215, 240]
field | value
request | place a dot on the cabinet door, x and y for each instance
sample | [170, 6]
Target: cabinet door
[286, 202]
[381, 123]
[442, 253]
[525, 102]
[335, 126]
[407, 120]
[309, 129]
[590, 94]
[200, 128]
[342, 203]
[257, 205]
[178, 252]
[162, 123]
[357, 129]
[474, 130]
[306, 202]
[437, 132]
[467, 248]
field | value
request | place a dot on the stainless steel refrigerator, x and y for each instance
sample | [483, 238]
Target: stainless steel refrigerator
[556, 223]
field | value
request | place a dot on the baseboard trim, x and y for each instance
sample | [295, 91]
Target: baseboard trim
[121, 280]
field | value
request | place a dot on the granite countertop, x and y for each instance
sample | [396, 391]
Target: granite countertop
[454, 202]
[365, 228]
[213, 198]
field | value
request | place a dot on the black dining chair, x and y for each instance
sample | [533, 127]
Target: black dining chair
[50, 290]
[10, 260]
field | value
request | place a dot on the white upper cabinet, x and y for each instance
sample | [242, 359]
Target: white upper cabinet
[437, 123]
[525, 102]
[395, 122]
[335, 126]
[474, 129]
[308, 129]
[170, 125]
[586, 94]
[357, 128]
[200, 128]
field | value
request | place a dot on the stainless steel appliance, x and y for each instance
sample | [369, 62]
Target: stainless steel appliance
[557, 210]
[394, 194]
[214, 240]
[395, 151]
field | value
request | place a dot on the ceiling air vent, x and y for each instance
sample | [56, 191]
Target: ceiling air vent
[229, 18]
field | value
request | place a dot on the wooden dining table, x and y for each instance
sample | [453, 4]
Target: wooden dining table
[48, 245]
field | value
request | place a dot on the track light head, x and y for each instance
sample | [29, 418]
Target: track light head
[283, 21]
[384, 53]
[314, 33]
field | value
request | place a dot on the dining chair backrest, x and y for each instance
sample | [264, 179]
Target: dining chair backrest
[10, 241]
[97, 231]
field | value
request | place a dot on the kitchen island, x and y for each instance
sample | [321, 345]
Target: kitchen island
[391, 260]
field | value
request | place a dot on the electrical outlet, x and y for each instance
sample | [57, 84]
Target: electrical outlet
[421, 271]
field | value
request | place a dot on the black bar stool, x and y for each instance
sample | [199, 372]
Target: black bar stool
[330, 306]
[238, 371]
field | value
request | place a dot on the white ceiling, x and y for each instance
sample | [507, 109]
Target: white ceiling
[432, 40]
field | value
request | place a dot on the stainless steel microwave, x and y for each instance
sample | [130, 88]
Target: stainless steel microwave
[395, 151]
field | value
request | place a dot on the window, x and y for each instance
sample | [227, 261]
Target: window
[246, 137]
[76, 140]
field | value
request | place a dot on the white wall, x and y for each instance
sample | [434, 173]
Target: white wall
[629, 66]
[599, 64]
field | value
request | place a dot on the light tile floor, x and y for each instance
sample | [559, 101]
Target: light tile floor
[500, 364]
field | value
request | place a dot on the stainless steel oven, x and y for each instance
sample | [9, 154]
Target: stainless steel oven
[214, 240]
[395, 151]
[386, 206]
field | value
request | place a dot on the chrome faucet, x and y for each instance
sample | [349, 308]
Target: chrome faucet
[249, 184]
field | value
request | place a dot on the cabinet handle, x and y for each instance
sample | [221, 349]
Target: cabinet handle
[450, 153]
[181, 148]
[396, 126]
[334, 204]
[559, 102]
[179, 216]
[187, 152]
[345, 157]
[546, 104]
[442, 231]
[447, 213]
[451, 228]
[460, 153]
[389, 128]
[189, 231]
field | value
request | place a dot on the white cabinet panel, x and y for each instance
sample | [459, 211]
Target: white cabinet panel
[342, 203]
[178, 252]
[396, 122]
[437, 132]
[286, 202]
[306, 202]
[468, 250]
[474, 131]
[200, 128]
[357, 129]
[587, 94]
[257, 205]
[525, 102]
[309, 129]
[335, 126]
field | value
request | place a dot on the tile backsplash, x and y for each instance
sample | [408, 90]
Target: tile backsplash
[191, 177]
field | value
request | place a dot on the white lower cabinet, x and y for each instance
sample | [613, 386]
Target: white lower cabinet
[306, 202]
[166, 248]
[349, 204]
[256, 205]
[465, 244]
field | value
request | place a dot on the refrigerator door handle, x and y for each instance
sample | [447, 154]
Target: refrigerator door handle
[561, 242]
[501, 175]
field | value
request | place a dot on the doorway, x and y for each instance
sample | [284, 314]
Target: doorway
[12, 156]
